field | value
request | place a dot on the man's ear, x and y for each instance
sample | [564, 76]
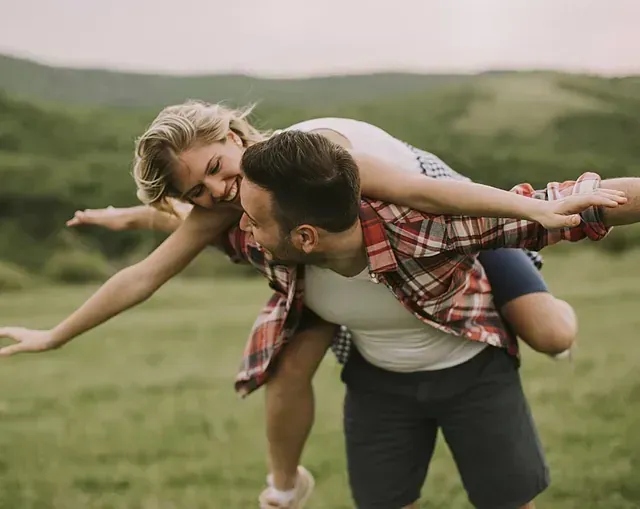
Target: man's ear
[305, 238]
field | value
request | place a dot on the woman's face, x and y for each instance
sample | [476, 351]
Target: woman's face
[210, 174]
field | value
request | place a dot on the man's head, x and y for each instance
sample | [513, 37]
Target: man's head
[299, 190]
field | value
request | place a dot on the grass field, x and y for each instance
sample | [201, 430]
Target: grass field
[141, 413]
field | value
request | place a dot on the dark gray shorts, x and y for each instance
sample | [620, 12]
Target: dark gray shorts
[391, 422]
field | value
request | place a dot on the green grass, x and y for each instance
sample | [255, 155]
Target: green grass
[141, 413]
[510, 98]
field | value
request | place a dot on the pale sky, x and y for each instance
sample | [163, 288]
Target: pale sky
[306, 37]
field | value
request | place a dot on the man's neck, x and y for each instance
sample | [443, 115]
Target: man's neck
[346, 252]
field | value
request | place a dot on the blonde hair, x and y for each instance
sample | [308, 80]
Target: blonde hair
[176, 129]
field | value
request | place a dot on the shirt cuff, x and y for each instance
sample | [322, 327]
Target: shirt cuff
[592, 218]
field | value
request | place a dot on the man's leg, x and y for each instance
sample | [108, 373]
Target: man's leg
[548, 325]
[389, 439]
[488, 427]
[290, 401]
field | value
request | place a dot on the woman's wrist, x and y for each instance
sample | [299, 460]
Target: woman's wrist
[534, 210]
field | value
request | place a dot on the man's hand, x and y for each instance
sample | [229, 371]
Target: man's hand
[27, 341]
[566, 211]
[116, 219]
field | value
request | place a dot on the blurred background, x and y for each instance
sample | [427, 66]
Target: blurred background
[141, 413]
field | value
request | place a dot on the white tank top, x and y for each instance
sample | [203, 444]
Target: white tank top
[386, 333]
[366, 138]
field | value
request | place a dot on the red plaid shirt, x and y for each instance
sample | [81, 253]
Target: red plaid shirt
[428, 262]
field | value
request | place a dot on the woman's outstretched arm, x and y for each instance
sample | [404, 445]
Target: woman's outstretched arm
[130, 286]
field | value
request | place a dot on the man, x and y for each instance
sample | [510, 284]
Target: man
[302, 204]
[522, 299]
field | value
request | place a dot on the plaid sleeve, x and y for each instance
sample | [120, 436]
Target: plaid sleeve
[468, 235]
[434, 167]
[488, 233]
[235, 245]
[264, 344]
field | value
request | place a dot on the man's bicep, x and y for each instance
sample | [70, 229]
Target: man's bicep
[462, 234]
[470, 235]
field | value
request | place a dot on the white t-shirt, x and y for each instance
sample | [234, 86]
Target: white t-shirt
[385, 332]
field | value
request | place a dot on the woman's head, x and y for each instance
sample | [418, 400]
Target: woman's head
[191, 152]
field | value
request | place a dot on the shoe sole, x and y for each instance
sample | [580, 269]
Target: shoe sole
[311, 485]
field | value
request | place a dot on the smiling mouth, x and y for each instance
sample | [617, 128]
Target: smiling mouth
[265, 251]
[233, 191]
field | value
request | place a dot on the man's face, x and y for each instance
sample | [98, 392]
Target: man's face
[260, 220]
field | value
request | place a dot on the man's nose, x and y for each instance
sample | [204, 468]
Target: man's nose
[244, 223]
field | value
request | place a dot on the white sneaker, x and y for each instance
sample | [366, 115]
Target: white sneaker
[302, 492]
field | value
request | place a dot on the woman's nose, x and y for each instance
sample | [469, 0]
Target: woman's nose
[216, 187]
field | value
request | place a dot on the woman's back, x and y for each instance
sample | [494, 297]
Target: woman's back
[366, 138]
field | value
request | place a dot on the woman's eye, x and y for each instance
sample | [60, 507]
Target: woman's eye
[214, 168]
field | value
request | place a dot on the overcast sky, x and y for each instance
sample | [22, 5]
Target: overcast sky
[303, 37]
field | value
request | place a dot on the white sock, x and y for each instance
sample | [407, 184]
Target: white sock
[280, 496]
[566, 354]
[283, 498]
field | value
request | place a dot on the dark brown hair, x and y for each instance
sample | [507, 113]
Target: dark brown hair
[311, 180]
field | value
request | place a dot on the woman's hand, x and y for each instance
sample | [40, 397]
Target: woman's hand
[142, 217]
[117, 219]
[27, 341]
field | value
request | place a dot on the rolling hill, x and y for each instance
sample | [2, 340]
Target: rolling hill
[66, 136]
[30, 80]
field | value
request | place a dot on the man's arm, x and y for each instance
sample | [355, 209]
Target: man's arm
[469, 235]
[629, 212]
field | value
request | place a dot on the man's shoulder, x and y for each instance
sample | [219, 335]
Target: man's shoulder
[391, 214]
[410, 233]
